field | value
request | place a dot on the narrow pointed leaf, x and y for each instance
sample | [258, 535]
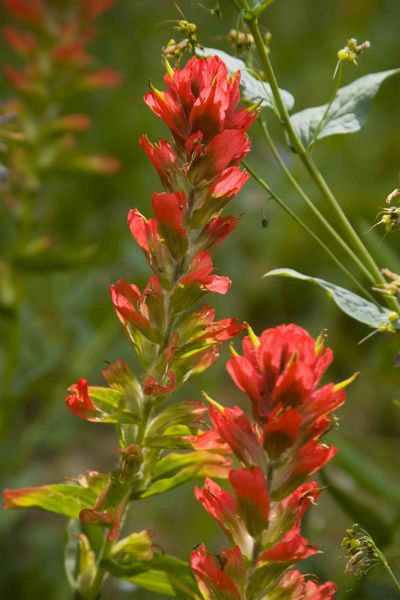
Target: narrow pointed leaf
[253, 89]
[348, 113]
[350, 303]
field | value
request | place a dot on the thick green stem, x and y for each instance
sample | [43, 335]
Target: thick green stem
[282, 204]
[324, 222]
[307, 160]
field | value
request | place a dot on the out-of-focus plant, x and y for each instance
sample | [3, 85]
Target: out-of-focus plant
[41, 138]
[162, 447]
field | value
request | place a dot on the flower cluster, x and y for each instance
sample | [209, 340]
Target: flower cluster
[201, 175]
[277, 449]
[51, 41]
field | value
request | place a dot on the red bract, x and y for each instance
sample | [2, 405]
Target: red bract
[292, 548]
[201, 97]
[213, 576]
[221, 505]
[27, 10]
[170, 212]
[79, 402]
[252, 494]
[284, 367]
[236, 430]
[200, 272]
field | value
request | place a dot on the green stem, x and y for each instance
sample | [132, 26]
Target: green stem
[328, 108]
[320, 242]
[312, 206]
[308, 162]
[388, 569]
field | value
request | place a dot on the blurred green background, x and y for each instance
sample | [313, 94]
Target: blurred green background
[69, 328]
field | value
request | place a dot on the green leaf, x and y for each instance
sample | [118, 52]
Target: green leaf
[66, 499]
[176, 469]
[359, 511]
[354, 306]
[111, 402]
[135, 547]
[347, 114]
[163, 574]
[254, 89]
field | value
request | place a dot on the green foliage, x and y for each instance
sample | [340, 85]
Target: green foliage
[162, 574]
[347, 114]
[350, 303]
[60, 498]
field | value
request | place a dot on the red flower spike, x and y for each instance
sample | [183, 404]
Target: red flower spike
[94, 8]
[209, 440]
[73, 53]
[104, 78]
[201, 97]
[170, 211]
[211, 576]
[21, 42]
[283, 368]
[292, 548]
[252, 494]
[79, 402]
[32, 11]
[236, 430]
[163, 159]
[280, 432]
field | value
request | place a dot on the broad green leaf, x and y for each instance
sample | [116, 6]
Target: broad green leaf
[361, 512]
[347, 114]
[163, 574]
[66, 499]
[350, 303]
[254, 89]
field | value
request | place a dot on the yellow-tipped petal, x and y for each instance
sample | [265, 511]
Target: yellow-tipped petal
[210, 400]
[346, 382]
